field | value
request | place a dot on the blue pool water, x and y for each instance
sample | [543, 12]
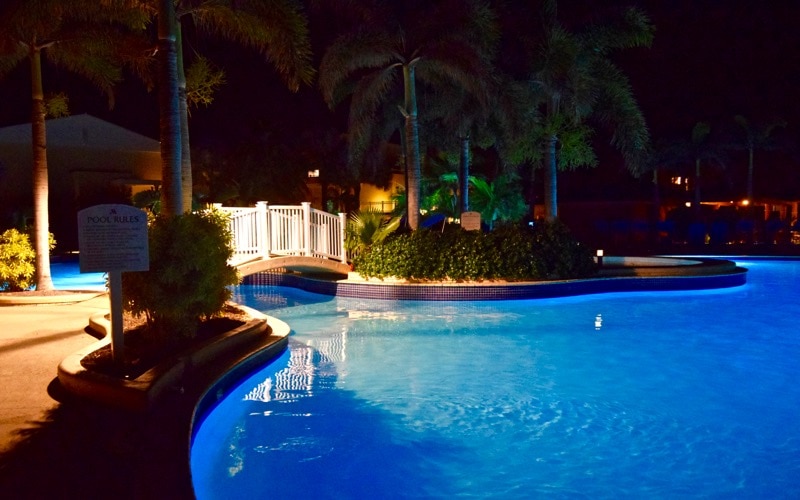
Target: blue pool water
[67, 276]
[637, 395]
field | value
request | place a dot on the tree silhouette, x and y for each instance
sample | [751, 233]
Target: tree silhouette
[404, 42]
[81, 36]
[756, 137]
[577, 82]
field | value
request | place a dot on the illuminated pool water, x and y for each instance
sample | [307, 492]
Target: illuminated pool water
[638, 395]
[67, 276]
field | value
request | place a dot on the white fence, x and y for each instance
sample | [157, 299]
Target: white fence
[267, 231]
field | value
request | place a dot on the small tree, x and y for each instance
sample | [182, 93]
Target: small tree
[366, 227]
[16, 261]
[189, 273]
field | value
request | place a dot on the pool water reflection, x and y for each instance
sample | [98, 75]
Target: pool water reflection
[617, 395]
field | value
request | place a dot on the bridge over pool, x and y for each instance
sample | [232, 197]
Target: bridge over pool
[298, 238]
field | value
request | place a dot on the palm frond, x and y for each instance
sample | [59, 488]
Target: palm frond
[349, 55]
[276, 28]
[633, 29]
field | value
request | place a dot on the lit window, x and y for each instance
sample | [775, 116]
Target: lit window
[313, 173]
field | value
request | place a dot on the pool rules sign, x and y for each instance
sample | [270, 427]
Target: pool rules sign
[113, 239]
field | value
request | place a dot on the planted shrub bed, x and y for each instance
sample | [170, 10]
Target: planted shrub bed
[511, 253]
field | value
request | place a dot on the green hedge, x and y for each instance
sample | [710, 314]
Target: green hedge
[510, 253]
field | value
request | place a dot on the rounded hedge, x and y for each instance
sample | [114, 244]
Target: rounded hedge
[547, 251]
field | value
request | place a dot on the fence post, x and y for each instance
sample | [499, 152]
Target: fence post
[306, 228]
[342, 229]
[263, 236]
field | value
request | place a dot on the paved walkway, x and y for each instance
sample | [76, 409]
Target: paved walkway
[33, 341]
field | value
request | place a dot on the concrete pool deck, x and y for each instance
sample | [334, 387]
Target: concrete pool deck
[52, 445]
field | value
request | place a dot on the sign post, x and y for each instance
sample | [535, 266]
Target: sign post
[471, 221]
[113, 239]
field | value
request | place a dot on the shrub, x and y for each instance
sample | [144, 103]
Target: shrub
[510, 253]
[17, 258]
[559, 255]
[189, 273]
[366, 227]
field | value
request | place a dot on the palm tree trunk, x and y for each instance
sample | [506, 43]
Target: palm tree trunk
[656, 208]
[169, 109]
[412, 146]
[550, 180]
[41, 217]
[186, 154]
[750, 177]
[697, 186]
[463, 177]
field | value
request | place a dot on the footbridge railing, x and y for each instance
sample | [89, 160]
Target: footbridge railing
[269, 231]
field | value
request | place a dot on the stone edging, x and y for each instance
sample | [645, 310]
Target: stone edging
[652, 274]
[71, 297]
[262, 332]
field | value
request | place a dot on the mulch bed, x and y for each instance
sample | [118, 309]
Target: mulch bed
[145, 348]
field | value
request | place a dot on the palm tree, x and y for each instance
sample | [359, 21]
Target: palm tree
[432, 42]
[278, 29]
[78, 36]
[169, 110]
[577, 82]
[756, 137]
[699, 150]
[500, 200]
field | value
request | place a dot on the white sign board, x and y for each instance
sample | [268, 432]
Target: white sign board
[113, 238]
[471, 221]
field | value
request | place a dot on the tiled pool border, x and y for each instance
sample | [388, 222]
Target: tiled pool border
[506, 291]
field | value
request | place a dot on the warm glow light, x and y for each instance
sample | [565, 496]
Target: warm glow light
[677, 180]
[688, 203]
[313, 173]
[600, 253]
[745, 202]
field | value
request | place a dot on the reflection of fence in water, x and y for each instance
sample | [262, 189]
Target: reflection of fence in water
[294, 381]
[297, 379]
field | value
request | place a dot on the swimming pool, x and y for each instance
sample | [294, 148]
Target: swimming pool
[668, 394]
[67, 276]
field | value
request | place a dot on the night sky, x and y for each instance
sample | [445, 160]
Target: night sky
[710, 61]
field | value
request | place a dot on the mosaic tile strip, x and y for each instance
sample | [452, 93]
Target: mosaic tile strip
[512, 291]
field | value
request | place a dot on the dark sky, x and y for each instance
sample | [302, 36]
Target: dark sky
[710, 60]
[713, 59]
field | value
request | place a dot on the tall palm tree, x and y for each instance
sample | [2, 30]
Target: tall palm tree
[577, 82]
[406, 41]
[756, 137]
[700, 149]
[278, 29]
[78, 36]
[169, 110]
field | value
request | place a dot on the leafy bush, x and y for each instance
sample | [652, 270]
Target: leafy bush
[366, 227]
[189, 273]
[559, 255]
[510, 253]
[17, 258]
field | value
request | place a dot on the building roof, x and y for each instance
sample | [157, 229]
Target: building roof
[82, 131]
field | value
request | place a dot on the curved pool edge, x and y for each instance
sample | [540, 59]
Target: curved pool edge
[649, 274]
[210, 391]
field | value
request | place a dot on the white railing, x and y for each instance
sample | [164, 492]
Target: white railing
[267, 231]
